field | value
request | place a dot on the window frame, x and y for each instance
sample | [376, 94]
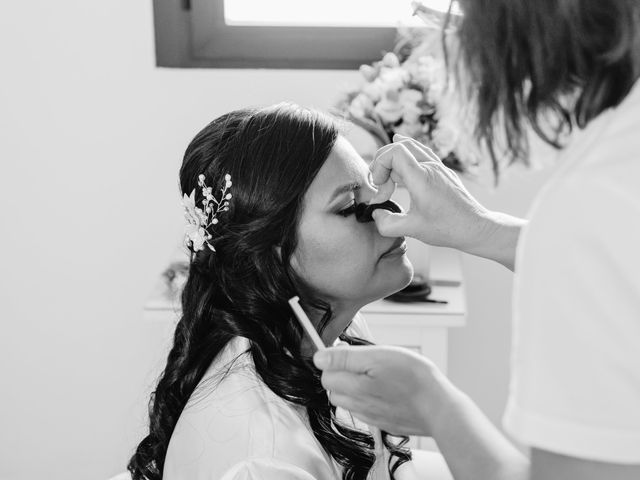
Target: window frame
[192, 34]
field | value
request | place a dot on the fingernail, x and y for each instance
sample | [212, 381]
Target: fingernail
[321, 360]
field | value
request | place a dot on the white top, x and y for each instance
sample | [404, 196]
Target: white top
[576, 355]
[235, 428]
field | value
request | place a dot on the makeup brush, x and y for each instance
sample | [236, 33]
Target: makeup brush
[380, 467]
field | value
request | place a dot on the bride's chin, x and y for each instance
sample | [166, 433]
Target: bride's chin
[401, 273]
[408, 272]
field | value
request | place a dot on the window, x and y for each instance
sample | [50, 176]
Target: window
[322, 34]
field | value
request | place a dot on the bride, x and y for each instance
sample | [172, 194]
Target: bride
[270, 199]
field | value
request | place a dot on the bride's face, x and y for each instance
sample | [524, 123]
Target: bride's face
[347, 263]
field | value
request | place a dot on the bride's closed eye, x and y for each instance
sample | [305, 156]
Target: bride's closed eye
[350, 210]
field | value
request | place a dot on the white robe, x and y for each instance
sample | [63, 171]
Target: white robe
[235, 428]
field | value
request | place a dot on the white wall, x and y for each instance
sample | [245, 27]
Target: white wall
[91, 138]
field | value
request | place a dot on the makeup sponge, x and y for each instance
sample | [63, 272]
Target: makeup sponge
[364, 211]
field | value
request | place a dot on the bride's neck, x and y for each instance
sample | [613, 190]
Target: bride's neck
[342, 316]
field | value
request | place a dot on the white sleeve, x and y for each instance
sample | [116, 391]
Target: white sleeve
[266, 469]
[576, 356]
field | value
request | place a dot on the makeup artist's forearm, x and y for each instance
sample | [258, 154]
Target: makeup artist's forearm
[498, 239]
[472, 446]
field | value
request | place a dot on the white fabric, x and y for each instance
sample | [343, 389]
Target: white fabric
[241, 430]
[576, 355]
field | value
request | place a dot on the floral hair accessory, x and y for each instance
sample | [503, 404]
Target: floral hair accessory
[200, 219]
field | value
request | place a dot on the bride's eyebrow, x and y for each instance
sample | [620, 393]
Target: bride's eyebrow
[349, 187]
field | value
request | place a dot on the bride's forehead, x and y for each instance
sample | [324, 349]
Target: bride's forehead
[343, 163]
[342, 166]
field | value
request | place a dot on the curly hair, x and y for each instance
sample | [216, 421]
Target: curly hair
[242, 289]
[550, 64]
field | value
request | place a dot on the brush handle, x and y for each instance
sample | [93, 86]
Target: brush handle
[380, 469]
[294, 302]
[381, 465]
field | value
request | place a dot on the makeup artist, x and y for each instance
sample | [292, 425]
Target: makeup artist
[566, 70]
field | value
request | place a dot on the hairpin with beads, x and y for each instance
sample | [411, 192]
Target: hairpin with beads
[196, 233]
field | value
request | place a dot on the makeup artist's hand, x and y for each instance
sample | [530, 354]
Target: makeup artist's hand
[443, 212]
[388, 387]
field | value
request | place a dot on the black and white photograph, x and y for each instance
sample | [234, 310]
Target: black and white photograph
[320, 240]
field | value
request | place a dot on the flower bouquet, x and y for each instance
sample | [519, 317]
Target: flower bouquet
[407, 92]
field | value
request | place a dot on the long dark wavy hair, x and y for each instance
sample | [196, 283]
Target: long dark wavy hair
[272, 154]
[526, 58]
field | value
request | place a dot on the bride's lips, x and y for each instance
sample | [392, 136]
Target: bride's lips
[399, 247]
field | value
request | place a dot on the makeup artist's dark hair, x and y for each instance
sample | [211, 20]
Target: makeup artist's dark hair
[272, 154]
[523, 56]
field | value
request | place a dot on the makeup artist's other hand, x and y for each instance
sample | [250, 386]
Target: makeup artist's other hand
[442, 212]
[392, 388]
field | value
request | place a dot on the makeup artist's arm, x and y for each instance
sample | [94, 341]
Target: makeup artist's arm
[443, 212]
[402, 392]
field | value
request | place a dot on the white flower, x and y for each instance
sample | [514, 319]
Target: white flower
[193, 214]
[445, 137]
[410, 97]
[374, 90]
[390, 60]
[368, 72]
[409, 129]
[199, 220]
[431, 74]
[361, 106]
[411, 113]
[389, 111]
[393, 78]
[429, 70]
[197, 236]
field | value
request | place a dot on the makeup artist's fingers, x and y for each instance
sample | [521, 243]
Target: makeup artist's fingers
[347, 358]
[421, 151]
[424, 154]
[398, 164]
[363, 411]
[442, 211]
[341, 382]
[385, 192]
[383, 385]
[391, 224]
[344, 401]
[376, 421]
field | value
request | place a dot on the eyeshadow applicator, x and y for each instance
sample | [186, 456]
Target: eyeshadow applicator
[381, 463]
[364, 211]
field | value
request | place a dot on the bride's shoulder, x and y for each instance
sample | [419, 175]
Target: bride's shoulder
[236, 421]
